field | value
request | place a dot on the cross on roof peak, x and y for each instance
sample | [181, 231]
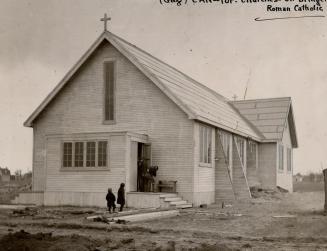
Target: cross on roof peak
[105, 19]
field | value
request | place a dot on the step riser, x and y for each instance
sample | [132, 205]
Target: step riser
[184, 206]
[171, 195]
[173, 199]
[178, 202]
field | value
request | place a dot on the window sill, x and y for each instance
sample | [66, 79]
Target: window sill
[109, 122]
[205, 164]
[83, 169]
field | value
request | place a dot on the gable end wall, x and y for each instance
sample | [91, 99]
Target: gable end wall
[285, 177]
[140, 107]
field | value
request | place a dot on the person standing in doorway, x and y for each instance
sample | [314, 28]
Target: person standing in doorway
[121, 196]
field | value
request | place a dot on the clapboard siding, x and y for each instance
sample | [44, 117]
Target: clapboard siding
[267, 165]
[39, 153]
[57, 179]
[140, 107]
[251, 165]
[284, 177]
[204, 176]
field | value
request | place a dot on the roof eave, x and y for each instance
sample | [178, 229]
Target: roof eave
[229, 129]
[294, 138]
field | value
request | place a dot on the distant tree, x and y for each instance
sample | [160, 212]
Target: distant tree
[311, 177]
[27, 175]
[18, 173]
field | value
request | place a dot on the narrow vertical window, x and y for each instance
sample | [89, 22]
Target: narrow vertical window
[289, 159]
[109, 78]
[205, 144]
[241, 148]
[102, 153]
[90, 154]
[68, 154]
[79, 154]
[209, 144]
[201, 144]
[281, 157]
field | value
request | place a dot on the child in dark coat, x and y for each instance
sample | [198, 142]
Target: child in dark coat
[121, 196]
[111, 200]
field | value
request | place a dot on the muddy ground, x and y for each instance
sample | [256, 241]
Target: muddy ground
[273, 221]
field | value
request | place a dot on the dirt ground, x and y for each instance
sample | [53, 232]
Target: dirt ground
[273, 221]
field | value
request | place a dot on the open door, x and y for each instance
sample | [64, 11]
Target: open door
[132, 177]
[143, 165]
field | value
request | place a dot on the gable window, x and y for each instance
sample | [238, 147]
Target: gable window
[289, 159]
[85, 154]
[205, 144]
[281, 157]
[109, 86]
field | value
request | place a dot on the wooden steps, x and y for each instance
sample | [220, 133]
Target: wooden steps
[174, 201]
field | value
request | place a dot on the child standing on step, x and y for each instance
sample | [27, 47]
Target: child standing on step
[111, 200]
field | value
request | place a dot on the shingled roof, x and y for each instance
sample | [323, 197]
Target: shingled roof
[269, 116]
[196, 100]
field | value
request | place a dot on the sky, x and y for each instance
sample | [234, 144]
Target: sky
[221, 47]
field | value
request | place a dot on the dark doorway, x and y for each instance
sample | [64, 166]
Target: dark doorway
[143, 165]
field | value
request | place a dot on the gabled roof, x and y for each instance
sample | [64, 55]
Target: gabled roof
[196, 100]
[269, 116]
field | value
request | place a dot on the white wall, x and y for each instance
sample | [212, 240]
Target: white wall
[204, 175]
[284, 177]
[141, 107]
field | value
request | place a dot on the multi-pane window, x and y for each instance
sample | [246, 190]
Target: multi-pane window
[252, 147]
[109, 84]
[79, 154]
[251, 155]
[67, 154]
[85, 154]
[281, 157]
[205, 144]
[289, 159]
[102, 153]
[90, 154]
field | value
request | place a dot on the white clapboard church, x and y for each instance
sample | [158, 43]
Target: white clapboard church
[120, 115]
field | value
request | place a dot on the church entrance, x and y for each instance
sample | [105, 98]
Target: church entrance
[145, 172]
